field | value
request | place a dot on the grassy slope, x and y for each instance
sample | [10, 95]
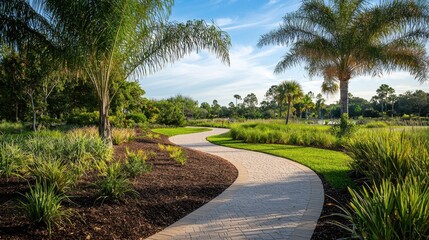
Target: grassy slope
[332, 165]
[179, 130]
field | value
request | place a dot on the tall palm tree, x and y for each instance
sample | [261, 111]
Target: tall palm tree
[383, 93]
[110, 40]
[341, 39]
[237, 97]
[292, 90]
[307, 103]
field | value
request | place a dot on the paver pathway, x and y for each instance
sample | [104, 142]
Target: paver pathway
[272, 198]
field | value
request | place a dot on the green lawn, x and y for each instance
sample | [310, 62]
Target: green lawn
[332, 165]
[179, 130]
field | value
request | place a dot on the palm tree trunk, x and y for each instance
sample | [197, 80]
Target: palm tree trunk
[344, 97]
[288, 112]
[104, 128]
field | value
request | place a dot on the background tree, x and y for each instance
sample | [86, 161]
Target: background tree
[383, 92]
[339, 40]
[307, 102]
[292, 91]
[250, 102]
[237, 97]
[320, 104]
[113, 40]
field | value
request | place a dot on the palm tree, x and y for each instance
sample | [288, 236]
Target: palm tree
[343, 39]
[237, 97]
[307, 103]
[383, 92]
[291, 91]
[110, 40]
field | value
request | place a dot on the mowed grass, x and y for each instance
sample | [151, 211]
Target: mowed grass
[332, 165]
[179, 130]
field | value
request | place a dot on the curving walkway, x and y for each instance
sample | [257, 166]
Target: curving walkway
[272, 198]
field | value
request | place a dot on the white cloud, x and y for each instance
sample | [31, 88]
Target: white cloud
[223, 21]
[271, 2]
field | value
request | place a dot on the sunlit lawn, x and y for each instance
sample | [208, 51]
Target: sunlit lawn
[179, 130]
[332, 165]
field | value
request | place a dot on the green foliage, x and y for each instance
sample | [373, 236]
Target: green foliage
[122, 135]
[389, 211]
[170, 114]
[390, 154]
[151, 135]
[334, 166]
[12, 159]
[296, 134]
[84, 118]
[178, 131]
[376, 125]
[10, 128]
[42, 205]
[218, 122]
[135, 163]
[113, 184]
[346, 127]
[161, 146]
[177, 154]
[137, 117]
[54, 173]
[121, 121]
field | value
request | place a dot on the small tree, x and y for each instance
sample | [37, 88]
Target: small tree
[291, 90]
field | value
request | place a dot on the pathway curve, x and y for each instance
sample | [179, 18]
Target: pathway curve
[272, 198]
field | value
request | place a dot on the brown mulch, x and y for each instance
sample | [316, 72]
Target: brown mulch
[333, 198]
[165, 195]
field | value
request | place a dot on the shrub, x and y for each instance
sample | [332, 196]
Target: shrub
[135, 163]
[376, 125]
[406, 117]
[122, 135]
[177, 154]
[113, 184]
[84, 118]
[346, 127]
[120, 121]
[137, 117]
[372, 113]
[389, 211]
[42, 205]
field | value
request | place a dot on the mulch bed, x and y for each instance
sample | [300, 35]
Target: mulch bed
[324, 228]
[165, 195]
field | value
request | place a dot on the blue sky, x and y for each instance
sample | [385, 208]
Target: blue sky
[204, 78]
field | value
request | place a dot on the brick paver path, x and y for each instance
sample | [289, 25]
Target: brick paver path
[272, 198]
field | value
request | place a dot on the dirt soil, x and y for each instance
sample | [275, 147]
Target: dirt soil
[165, 195]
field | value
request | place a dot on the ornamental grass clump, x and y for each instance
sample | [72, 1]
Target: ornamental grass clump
[113, 184]
[390, 154]
[293, 134]
[122, 135]
[177, 154]
[54, 172]
[12, 160]
[393, 211]
[42, 205]
[135, 163]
